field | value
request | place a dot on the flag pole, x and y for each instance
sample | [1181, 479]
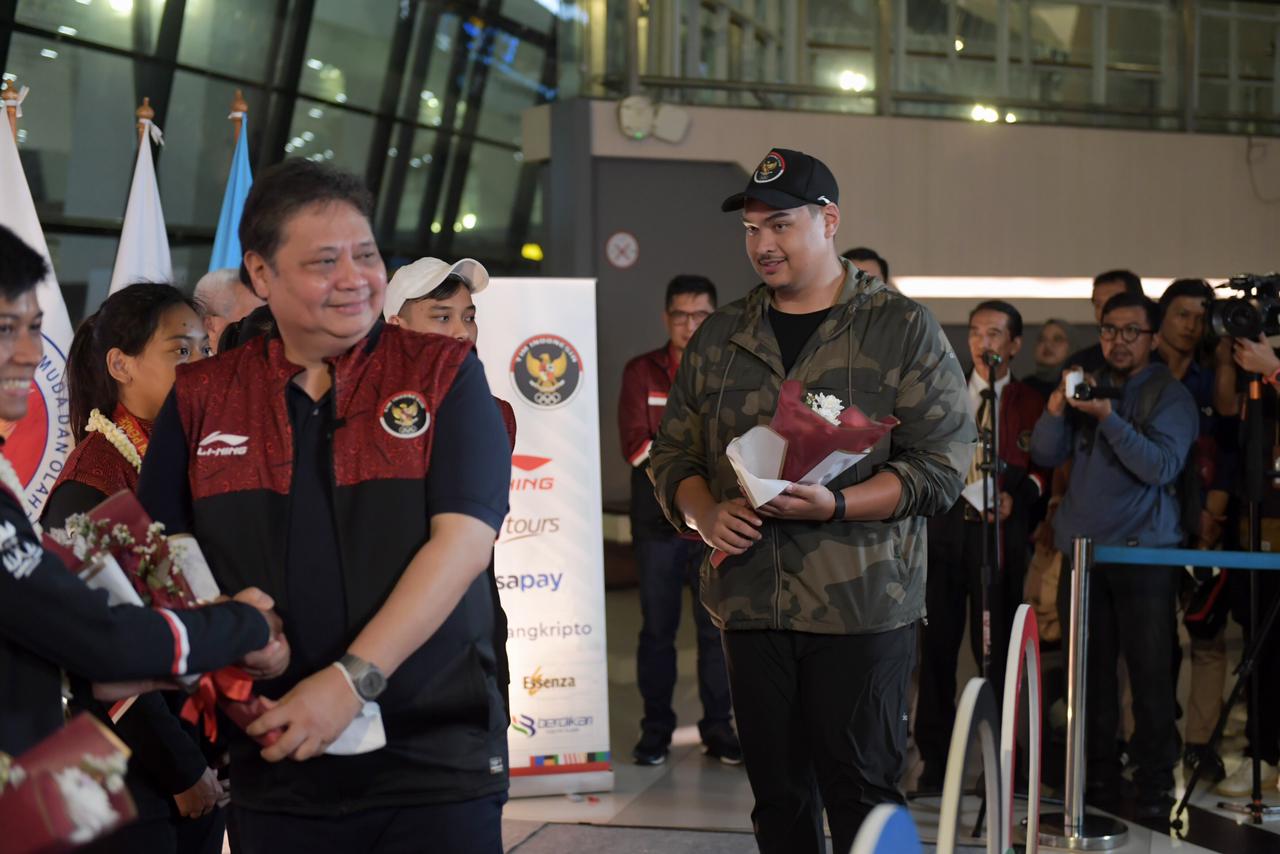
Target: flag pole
[144, 114]
[9, 95]
[239, 106]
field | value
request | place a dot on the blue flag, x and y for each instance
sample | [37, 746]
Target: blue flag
[226, 244]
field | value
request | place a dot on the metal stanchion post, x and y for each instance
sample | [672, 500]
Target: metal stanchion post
[1079, 830]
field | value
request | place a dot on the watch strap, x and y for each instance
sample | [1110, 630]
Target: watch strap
[837, 515]
[346, 674]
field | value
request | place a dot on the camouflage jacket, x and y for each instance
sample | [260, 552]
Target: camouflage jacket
[877, 350]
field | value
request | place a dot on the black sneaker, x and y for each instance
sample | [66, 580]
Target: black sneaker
[723, 746]
[1208, 761]
[651, 749]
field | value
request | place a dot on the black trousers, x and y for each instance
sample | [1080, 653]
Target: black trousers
[468, 827]
[174, 835]
[953, 591]
[1132, 612]
[823, 722]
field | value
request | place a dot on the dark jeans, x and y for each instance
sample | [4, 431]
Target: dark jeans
[667, 568]
[823, 722]
[1131, 613]
[468, 827]
[954, 581]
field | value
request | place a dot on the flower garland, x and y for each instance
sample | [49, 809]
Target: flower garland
[13, 483]
[99, 423]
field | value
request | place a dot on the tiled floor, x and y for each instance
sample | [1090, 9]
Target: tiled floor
[691, 793]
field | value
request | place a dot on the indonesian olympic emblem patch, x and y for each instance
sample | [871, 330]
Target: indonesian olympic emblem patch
[547, 371]
[405, 416]
[770, 169]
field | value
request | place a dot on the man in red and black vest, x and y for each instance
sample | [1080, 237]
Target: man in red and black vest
[350, 468]
[955, 539]
[667, 563]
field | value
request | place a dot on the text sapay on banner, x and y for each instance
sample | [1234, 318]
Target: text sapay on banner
[538, 345]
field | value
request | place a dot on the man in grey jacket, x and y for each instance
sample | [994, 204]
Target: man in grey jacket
[1126, 459]
[820, 589]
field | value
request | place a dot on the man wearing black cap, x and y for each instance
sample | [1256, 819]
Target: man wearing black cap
[820, 588]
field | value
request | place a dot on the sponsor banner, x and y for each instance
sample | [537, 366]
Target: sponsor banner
[538, 345]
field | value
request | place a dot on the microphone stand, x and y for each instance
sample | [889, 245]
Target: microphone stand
[990, 520]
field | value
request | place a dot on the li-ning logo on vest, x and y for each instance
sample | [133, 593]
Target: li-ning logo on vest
[219, 444]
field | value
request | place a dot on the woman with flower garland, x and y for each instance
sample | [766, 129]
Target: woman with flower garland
[120, 369]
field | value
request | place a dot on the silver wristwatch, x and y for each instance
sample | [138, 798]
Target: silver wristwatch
[365, 676]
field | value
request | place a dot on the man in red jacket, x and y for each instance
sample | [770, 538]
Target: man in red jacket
[667, 562]
[955, 540]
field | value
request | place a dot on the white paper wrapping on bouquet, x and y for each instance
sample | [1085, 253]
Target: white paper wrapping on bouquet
[190, 561]
[973, 493]
[364, 734]
[756, 457]
[102, 572]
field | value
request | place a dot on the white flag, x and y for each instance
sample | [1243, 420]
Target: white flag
[39, 443]
[143, 255]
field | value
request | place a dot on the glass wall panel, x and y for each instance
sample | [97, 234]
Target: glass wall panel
[232, 37]
[405, 184]
[514, 85]
[77, 137]
[488, 197]
[331, 134]
[346, 57]
[127, 24]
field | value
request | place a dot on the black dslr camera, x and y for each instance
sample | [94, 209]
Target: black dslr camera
[1255, 312]
[1084, 391]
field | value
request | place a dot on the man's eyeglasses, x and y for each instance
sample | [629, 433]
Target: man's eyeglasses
[1129, 334]
[680, 318]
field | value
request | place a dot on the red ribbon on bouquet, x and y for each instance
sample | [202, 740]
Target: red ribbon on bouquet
[231, 690]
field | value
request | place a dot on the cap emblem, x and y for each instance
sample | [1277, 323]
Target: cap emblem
[770, 169]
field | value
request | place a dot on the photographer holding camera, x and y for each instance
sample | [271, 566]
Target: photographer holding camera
[1127, 431]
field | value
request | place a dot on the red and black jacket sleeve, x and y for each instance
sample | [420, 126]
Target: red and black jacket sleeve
[633, 413]
[1025, 481]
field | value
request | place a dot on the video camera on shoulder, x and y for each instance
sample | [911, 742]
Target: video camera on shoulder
[1255, 312]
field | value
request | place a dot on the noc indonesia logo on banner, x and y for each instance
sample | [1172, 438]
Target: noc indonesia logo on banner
[547, 371]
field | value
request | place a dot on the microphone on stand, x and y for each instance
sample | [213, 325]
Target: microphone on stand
[992, 359]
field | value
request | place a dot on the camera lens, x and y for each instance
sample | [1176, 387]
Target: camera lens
[1236, 318]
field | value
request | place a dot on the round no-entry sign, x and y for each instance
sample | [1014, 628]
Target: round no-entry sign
[622, 249]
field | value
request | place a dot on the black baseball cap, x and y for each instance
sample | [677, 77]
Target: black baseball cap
[788, 179]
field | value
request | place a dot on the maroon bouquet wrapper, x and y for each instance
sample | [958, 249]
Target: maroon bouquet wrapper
[812, 438]
[66, 791]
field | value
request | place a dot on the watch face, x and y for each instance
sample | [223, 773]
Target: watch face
[371, 684]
